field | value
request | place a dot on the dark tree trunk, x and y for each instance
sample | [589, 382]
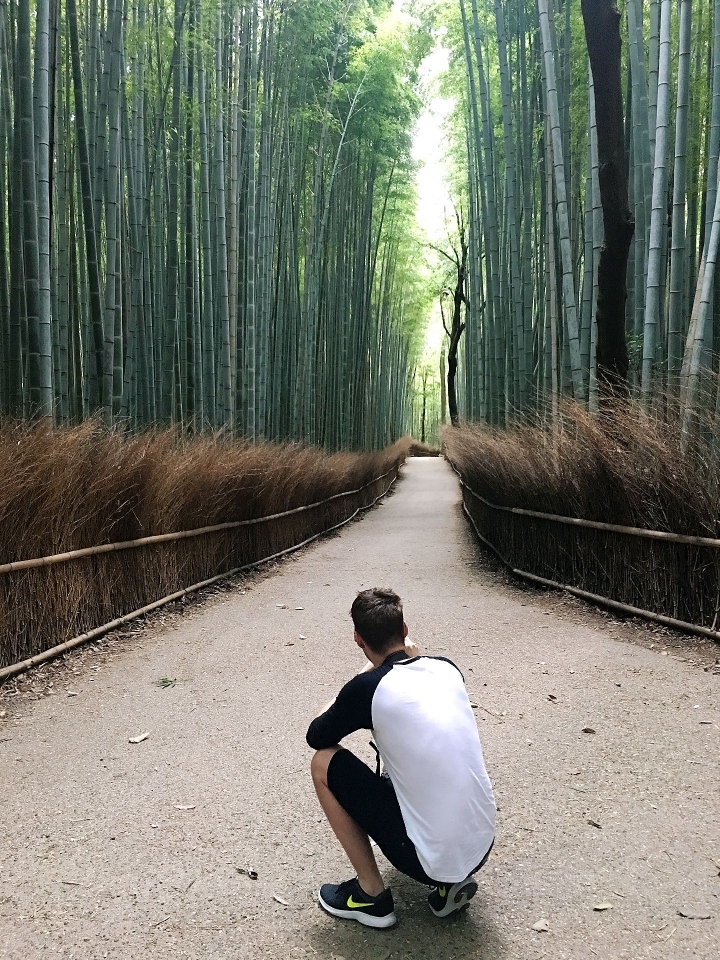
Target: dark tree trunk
[456, 331]
[602, 33]
[451, 377]
[443, 387]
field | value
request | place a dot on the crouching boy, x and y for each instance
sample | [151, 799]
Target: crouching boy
[432, 812]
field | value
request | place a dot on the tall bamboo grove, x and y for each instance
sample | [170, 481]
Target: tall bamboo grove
[525, 152]
[203, 209]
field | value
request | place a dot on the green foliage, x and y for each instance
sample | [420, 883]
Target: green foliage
[384, 69]
[270, 276]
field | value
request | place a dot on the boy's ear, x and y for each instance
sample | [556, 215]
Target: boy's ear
[405, 630]
[358, 640]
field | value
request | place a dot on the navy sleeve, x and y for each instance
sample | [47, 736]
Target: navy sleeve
[351, 711]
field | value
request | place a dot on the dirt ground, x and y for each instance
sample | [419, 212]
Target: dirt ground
[149, 850]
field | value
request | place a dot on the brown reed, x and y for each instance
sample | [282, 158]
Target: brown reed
[66, 489]
[420, 449]
[626, 466]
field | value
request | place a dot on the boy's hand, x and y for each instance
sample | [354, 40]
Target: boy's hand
[411, 649]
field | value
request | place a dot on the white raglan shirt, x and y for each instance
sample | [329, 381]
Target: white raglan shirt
[426, 733]
[425, 730]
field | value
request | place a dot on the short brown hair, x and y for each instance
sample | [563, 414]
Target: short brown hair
[378, 618]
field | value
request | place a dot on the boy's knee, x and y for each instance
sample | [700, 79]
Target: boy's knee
[320, 763]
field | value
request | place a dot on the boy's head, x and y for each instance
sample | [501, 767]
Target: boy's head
[378, 618]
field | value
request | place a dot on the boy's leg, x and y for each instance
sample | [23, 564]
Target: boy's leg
[353, 839]
[371, 804]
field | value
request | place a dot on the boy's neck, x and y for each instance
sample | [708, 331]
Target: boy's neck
[376, 659]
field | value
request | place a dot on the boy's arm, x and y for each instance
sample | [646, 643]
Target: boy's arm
[325, 708]
[350, 711]
[366, 669]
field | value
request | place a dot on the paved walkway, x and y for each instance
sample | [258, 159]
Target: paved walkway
[137, 851]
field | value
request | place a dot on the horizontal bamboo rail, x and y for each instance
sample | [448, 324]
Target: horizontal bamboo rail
[594, 597]
[595, 524]
[16, 565]
[24, 665]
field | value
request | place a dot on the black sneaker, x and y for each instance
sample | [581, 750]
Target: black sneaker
[348, 900]
[452, 897]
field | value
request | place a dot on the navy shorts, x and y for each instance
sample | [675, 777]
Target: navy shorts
[371, 802]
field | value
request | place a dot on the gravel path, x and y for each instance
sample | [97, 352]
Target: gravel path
[137, 851]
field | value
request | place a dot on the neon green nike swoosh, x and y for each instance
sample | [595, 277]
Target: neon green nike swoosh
[442, 891]
[351, 903]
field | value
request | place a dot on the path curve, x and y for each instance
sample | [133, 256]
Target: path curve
[120, 850]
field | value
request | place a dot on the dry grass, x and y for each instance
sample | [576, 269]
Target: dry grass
[420, 449]
[628, 468]
[66, 489]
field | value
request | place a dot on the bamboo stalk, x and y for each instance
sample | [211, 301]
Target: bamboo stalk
[658, 218]
[559, 161]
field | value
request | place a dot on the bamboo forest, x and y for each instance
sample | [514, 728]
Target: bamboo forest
[205, 214]
[365, 349]
[208, 213]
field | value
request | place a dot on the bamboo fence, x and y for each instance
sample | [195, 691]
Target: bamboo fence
[668, 578]
[99, 582]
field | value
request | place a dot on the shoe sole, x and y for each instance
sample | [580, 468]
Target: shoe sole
[367, 920]
[459, 900]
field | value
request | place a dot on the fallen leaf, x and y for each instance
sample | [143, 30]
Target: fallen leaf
[475, 706]
[588, 730]
[143, 736]
[693, 915]
[184, 806]
[706, 721]
[248, 873]
[280, 900]
[552, 698]
[72, 693]
[290, 644]
[603, 906]
[541, 926]
[594, 823]
[282, 606]
[303, 637]
[299, 608]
